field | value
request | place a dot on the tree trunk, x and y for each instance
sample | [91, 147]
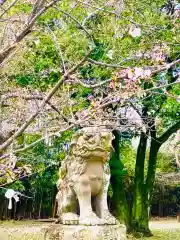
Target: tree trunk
[140, 211]
[154, 148]
[138, 221]
[119, 200]
[178, 217]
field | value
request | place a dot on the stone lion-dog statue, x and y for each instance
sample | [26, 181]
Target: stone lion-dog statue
[84, 179]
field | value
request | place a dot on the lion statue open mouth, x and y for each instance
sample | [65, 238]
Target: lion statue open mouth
[84, 179]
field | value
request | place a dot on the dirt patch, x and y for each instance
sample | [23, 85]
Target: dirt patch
[164, 224]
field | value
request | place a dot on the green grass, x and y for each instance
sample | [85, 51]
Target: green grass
[173, 234]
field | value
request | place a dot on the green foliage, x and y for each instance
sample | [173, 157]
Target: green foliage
[117, 166]
[17, 186]
[165, 163]
[128, 157]
[128, 160]
[42, 52]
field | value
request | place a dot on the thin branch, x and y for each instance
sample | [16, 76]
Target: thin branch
[162, 86]
[102, 9]
[166, 67]
[163, 68]
[176, 152]
[58, 49]
[29, 175]
[47, 99]
[94, 13]
[10, 6]
[90, 16]
[119, 65]
[9, 56]
[28, 98]
[110, 79]
[162, 139]
[36, 7]
[36, 142]
[18, 193]
[4, 53]
[75, 20]
[165, 94]
[105, 64]
[93, 85]
[135, 108]
[77, 123]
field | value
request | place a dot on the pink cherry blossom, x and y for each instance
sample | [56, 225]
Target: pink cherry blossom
[138, 72]
[147, 73]
[130, 74]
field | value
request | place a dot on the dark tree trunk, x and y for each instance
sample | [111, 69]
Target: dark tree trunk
[178, 217]
[119, 200]
[140, 213]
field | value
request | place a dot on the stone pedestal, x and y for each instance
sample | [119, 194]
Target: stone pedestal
[80, 232]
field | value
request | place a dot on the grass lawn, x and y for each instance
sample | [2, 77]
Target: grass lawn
[162, 234]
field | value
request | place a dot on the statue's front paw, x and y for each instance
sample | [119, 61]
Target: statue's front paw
[91, 220]
[110, 219]
[58, 220]
[70, 219]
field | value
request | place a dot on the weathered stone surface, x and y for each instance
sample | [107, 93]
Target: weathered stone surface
[84, 179]
[80, 232]
[82, 190]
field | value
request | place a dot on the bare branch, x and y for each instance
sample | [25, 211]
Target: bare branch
[48, 97]
[162, 86]
[98, 8]
[10, 6]
[28, 98]
[118, 4]
[37, 6]
[135, 108]
[58, 49]
[75, 20]
[176, 152]
[163, 68]
[169, 132]
[119, 65]
[4, 53]
[36, 142]
[29, 175]
[73, 124]
[105, 64]
[93, 85]
[110, 79]
[166, 67]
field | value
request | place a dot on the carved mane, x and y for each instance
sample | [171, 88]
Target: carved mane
[85, 144]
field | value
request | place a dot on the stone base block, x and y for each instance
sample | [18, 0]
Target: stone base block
[80, 232]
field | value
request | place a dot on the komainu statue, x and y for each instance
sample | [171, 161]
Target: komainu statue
[84, 179]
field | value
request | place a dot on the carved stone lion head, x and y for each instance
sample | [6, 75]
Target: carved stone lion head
[91, 142]
[87, 144]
